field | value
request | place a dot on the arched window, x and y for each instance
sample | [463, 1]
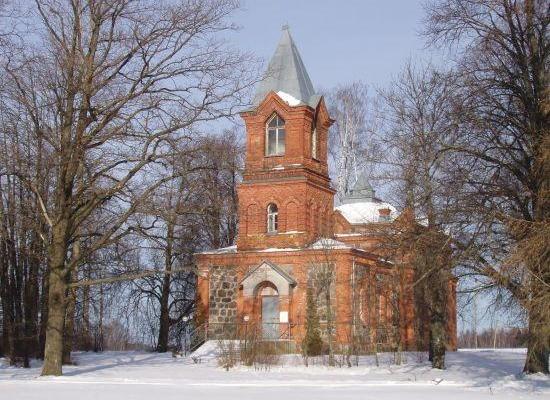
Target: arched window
[275, 136]
[272, 218]
[314, 143]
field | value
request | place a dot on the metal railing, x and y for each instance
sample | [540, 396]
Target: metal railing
[195, 338]
[346, 337]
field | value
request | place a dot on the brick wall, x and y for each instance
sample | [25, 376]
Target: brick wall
[296, 182]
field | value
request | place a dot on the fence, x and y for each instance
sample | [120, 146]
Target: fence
[358, 339]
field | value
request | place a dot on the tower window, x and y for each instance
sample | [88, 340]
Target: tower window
[314, 143]
[272, 218]
[275, 136]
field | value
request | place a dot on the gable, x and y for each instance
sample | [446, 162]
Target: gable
[267, 272]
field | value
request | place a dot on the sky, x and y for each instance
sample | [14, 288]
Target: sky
[339, 41]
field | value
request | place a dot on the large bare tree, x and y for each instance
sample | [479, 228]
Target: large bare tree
[196, 211]
[418, 124]
[113, 87]
[502, 151]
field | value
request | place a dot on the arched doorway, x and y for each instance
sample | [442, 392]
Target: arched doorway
[269, 300]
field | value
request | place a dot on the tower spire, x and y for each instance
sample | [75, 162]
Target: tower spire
[361, 191]
[286, 73]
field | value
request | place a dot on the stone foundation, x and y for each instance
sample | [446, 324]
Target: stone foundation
[222, 320]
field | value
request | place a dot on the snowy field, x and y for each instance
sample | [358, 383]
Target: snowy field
[471, 375]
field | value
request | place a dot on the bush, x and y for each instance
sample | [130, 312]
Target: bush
[228, 355]
[312, 345]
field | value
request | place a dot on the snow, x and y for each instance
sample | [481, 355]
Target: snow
[275, 249]
[223, 250]
[233, 249]
[480, 374]
[365, 212]
[322, 243]
[288, 98]
[327, 243]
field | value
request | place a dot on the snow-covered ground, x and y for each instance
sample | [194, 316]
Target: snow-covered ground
[471, 375]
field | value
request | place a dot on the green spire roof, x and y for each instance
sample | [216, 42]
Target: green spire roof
[286, 73]
[362, 191]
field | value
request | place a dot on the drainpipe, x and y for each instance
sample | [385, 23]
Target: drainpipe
[353, 310]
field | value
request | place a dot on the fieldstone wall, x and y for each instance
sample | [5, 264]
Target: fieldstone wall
[223, 302]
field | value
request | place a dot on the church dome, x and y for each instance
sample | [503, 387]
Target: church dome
[361, 206]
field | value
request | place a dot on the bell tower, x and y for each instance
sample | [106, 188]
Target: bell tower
[285, 198]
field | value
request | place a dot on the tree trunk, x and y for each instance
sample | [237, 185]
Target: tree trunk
[53, 351]
[437, 342]
[5, 304]
[430, 347]
[438, 295]
[86, 340]
[98, 339]
[164, 328]
[32, 301]
[331, 360]
[70, 305]
[538, 343]
[43, 314]
[69, 327]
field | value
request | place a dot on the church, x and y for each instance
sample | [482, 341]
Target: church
[291, 236]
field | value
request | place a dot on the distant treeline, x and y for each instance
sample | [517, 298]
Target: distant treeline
[493, 338]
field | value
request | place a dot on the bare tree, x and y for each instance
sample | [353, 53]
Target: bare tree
[418, 124]
[22, 267]
[502, 150]
[196, 211]
[114, 87]
[218, 194]
[350, 143]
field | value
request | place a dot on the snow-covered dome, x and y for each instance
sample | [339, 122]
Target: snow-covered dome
[366, 211]
[361, 206]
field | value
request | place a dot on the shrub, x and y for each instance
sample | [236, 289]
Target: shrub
[312, 345]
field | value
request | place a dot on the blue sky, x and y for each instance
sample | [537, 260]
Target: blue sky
[340, 41]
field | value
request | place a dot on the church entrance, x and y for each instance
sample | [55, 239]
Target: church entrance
[270, 312]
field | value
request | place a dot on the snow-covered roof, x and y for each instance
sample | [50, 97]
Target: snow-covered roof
[322, 243]
[233, 249]
[276, 249]
[223, 250]
[288, 98]
[366, 211]
[327, 243]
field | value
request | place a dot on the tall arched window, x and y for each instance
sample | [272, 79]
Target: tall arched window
[275, 136]
[272, 218]
[314, 143]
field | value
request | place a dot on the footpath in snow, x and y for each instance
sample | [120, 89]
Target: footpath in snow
[479, 374]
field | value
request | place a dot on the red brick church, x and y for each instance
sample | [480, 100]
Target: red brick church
[291, 236]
